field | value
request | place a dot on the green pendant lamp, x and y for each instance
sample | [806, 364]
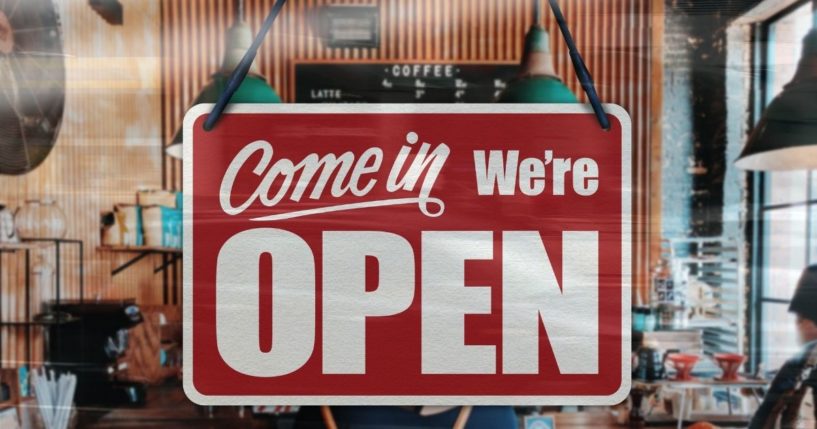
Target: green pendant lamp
[537, 81]
[785, 138]
[254, 89]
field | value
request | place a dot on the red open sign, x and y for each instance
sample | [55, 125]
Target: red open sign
[410, 254]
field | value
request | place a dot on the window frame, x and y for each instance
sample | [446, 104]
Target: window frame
[759, 183]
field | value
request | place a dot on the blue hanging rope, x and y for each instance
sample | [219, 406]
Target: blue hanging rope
[580, 68]
[240, 72]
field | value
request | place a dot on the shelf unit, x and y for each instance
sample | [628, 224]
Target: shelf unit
[714, 262]
[170, 257]
[26, 247]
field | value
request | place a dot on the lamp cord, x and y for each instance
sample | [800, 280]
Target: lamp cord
[537, 12]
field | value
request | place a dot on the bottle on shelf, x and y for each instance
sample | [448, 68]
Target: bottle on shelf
[663, 287]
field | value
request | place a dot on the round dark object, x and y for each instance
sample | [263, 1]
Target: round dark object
[32, 94]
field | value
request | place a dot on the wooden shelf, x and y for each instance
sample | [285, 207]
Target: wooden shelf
[37, 243]
[26, 245]
[170, 254]
[139, 249]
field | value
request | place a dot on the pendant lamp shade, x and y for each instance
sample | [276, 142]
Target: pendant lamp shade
[785, 138]
[537, 81]
[253, 90]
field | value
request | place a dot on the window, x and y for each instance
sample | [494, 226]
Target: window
[787, 207]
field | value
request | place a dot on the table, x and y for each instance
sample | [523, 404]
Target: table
[640, 387]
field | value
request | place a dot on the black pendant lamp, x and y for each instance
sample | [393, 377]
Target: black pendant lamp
[785, 138]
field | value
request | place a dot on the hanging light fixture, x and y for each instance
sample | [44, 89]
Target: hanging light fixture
[537, 81]
[785, 138]
[254, 89]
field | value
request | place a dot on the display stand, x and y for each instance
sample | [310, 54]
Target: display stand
[25, 248]
[171, 256]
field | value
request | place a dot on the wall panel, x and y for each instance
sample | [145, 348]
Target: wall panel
[129, 86]
[109, 145]
[615, 37]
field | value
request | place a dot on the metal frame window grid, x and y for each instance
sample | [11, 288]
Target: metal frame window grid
[760, 185]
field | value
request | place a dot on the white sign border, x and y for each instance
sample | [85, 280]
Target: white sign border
[341, 109]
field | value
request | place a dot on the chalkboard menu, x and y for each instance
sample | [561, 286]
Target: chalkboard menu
[401, 82]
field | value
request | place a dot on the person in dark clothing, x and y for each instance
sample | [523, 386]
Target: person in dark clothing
[790, 401]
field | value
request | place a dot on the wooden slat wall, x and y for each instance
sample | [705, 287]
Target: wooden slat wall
[109, 145]
[129, 86]
[613, 35]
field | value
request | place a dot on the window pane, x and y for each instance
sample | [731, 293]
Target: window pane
[786, 44]
[786, 187]
[814, 185]
[779, 331]
[787, 247]
[785, 250]
[813, 220]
